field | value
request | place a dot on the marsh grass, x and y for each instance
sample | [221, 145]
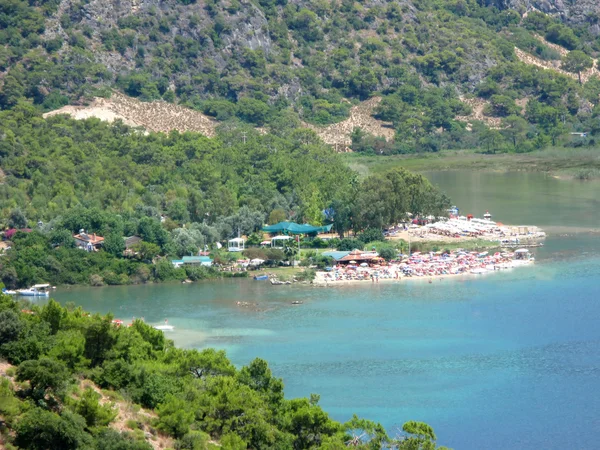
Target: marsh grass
[579, 163]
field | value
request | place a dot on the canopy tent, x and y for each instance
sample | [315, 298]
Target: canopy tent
[235, 245]
[279, 238]
[295, 228]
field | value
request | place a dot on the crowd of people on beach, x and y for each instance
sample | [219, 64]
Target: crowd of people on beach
[475, 228]
[426, 265]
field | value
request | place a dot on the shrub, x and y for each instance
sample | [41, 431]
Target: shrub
[175, 417]
[92, 411]
[371, 235]
[348, 244]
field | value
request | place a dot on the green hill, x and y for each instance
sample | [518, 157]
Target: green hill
[258, 59]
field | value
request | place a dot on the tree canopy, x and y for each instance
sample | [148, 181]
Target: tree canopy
[197, 396]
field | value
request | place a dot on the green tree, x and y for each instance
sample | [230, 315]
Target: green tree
[503, 105]
[61, 238]
[187, 241]
[94, 413]
[99, 339]
[11, 326]
[108, 439]
[45, 376]
[53, 314]
[114, 243]
[491, 138]
[252, 110]
[310, 424]
[69, 347]
[388, 253]
[365, 432]
[175, 417]
[577, 61]
[42, 430]
[420, 436]
[17, 219]
[11, 92]
[363, 82]
[258, 376]
[145, 251]
[208, 362]
[277, 215]
[515, 128]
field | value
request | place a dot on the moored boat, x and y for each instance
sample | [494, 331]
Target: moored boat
[261, 277]
[8, 291]
[37, 290]
[165, 327]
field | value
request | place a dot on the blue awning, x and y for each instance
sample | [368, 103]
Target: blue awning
[295, 228]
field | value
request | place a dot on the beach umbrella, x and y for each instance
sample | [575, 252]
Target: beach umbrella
[352, 262]
[364, 265]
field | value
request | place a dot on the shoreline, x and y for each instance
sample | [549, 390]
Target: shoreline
[321, 279]
[557, 162]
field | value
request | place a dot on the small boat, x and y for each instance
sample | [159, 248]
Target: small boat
[261, 277]
[297, 302]
[8, 292]
[37, 290]
[165, 327]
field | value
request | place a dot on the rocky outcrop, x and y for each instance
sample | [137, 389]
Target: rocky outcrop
[578, 12]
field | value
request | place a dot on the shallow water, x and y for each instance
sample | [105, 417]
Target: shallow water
[505, 360]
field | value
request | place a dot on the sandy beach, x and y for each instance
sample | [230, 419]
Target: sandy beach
[425, 267]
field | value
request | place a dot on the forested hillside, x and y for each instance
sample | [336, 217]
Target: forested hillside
[263, 59]
[178, 192]
[79, 381]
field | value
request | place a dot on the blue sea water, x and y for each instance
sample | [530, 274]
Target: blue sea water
[508, 360]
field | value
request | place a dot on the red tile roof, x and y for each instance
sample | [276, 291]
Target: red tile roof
[93, 238]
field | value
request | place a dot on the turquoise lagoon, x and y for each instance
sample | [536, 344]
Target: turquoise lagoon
[509, 360]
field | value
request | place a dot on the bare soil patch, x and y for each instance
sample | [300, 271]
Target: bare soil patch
[478, 105]
[555, 65]
[361, 116]
[157, 116]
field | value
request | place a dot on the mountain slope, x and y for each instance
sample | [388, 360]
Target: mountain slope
[265, 61]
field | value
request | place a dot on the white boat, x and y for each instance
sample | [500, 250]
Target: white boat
[37, 290]
[165, 327]
[8, 292]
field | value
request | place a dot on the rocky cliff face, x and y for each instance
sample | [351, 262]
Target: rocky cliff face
[577, 12]
[246, 26]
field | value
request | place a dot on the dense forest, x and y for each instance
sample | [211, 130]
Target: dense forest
[261, 60]
[74, 372]
[179, 193]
